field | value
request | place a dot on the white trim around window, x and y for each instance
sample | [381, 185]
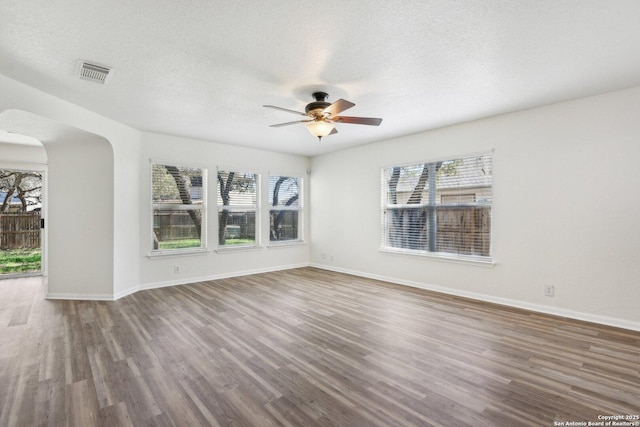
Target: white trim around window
[286, 209]
[439, 209]
[238, 202]
[178, 209]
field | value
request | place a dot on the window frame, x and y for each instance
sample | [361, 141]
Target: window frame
[240, 207]
[299, 209]
[385, 247]
[202, 208]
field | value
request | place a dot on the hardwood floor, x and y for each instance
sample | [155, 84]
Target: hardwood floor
[303, 347]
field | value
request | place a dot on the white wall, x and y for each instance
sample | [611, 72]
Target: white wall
[101, 148]
[565, 211]
[34, 154]
[80, 220]
[182, 151]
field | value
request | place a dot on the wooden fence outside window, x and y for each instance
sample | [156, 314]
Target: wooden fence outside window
[20, 231]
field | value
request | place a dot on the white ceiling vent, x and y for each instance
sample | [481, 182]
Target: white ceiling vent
[93, 72]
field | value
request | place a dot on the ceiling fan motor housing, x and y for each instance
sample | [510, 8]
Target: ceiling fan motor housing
[319, 104]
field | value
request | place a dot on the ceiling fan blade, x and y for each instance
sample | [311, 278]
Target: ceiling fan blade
[358, 120]
[338, 107]
[289, 123]
[285, 109]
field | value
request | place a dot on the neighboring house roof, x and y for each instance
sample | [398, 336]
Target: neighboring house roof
[469, 172]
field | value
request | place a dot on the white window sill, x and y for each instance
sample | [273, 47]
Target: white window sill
[439, 256]
[173, 253]
[285, 244]
[224, 249]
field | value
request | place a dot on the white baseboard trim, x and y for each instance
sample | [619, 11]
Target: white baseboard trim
[572, 314]
[82, 297]
[191, 280]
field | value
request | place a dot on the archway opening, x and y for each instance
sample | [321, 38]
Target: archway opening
[79, 207]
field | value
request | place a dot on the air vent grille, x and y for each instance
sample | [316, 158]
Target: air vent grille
[93, 73]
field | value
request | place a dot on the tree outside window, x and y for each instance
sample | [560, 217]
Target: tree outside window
[285, 205]
[20, 221]
[237, 208]
[20, 191]
[439, 208]
[179, 207]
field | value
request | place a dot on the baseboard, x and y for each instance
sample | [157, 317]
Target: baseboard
[571, 314]
[82, 297]
[191, 280]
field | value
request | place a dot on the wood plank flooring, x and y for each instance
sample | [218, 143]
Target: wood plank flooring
[303, 347]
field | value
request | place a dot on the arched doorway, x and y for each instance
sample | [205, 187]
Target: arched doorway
[79, 206]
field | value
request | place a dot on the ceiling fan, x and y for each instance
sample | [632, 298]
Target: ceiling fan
[321, 115]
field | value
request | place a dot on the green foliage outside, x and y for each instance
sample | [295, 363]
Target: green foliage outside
[165, 188]
[19, 261]
[229, 241]
[180, 244]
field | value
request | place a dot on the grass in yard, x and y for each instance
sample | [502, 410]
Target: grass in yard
[19, 261]
[180, 244]
[228, 242]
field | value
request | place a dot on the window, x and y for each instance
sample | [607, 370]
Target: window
[21, 234]
[285, 205]
[179, 207]
[237, 208]
[439, 208]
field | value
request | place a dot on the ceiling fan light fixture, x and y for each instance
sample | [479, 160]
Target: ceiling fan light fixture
[320, 116]
[319, 128]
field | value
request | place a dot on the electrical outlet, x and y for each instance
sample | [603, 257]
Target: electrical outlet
[548, 290]
[323, 256]
[176, 269]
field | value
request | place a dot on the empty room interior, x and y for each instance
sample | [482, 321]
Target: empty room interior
[331, 214]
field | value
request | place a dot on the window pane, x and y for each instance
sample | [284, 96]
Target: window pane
[284, 193]
[238, 227]
[237, 189]
[439, 207]
[284, 225]
[176, 184]
[179, 208]
[176, 229]
[406, 228]
[20, 232]
[464, 230]
[237, 208]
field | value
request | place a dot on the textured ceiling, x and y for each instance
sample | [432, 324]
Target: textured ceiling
[204, 68]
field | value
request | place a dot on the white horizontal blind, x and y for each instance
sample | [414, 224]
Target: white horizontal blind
[179, 207]
[285, 205]
[439, 208]
[237, 198]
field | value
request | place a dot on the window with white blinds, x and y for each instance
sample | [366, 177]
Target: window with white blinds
[237, 208]
[285, 205]
[439, 208]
